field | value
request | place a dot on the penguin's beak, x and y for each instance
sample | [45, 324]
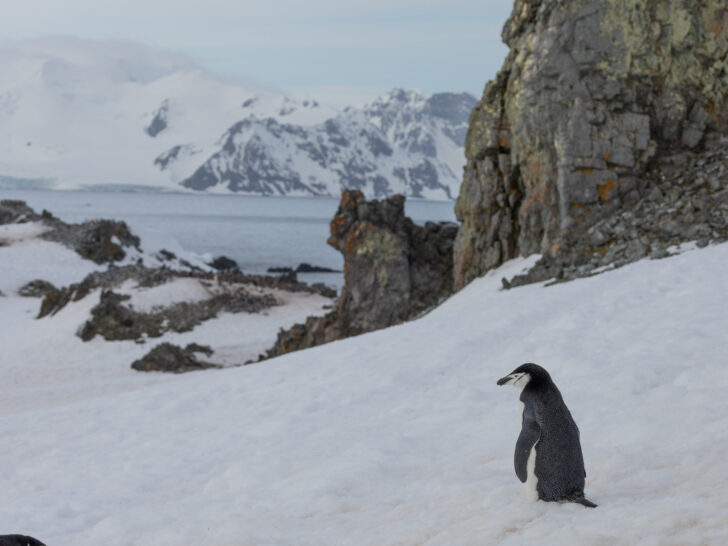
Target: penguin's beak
[504, 380]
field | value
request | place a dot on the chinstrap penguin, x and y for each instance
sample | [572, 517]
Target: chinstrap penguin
[548, 455]
[19, 540]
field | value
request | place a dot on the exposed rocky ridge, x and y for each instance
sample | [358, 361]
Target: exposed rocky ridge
[167, 357]
[404, 142]
[36, 289]
[101, 241]
[114, 321]
[393, 270]
[147, 277]
[601, 139]
[159, 122]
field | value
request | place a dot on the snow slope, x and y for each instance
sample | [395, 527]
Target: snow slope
[101, 114]
[400, 436]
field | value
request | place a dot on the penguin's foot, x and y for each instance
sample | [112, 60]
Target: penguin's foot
[584, 502]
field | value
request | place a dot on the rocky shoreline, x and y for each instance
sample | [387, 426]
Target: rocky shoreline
[183, 295]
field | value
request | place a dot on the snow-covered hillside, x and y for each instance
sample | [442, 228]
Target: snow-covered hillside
[400, 436]
[76, 113]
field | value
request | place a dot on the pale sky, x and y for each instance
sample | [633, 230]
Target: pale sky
[308, 47]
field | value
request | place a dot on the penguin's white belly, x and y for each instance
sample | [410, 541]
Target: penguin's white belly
[531, 478]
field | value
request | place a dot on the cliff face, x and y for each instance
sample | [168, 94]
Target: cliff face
[602, 139]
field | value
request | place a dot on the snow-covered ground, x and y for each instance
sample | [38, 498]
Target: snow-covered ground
[400, 436]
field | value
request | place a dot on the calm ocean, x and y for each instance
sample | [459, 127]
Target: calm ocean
[257, 232]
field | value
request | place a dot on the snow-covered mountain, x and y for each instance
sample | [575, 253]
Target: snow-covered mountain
[79, 114]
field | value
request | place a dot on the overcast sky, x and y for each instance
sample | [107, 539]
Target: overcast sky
[307, 47]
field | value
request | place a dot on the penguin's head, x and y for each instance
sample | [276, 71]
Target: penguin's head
[525, 374]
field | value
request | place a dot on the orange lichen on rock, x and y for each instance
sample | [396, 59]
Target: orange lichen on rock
[605, 190]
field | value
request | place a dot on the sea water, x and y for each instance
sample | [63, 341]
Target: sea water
[257, 232]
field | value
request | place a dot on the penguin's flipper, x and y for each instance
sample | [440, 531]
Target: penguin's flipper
[530, 434]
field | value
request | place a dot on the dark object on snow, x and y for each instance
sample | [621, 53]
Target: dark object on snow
[223, 263]
[548, 455]
[159, 122]
[171, 358]
[19, 540]
[166, 255]
[37, 289]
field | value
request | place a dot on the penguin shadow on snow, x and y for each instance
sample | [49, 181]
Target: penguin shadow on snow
[548, 457]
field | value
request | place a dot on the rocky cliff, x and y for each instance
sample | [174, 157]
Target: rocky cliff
[602, 139]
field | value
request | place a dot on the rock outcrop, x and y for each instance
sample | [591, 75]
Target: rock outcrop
[170, 358]
[16, 212]
[102, 241]
[223, 263]
[602, 139]
[113, 320]
[393, 268]
[147, 277]
[36, 289]
[393, 271]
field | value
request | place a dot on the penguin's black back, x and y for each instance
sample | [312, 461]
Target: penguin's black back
[559, 461]
[19, 540]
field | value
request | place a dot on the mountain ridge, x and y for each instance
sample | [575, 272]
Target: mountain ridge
[87, 114]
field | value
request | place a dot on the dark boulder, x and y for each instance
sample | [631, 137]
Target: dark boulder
[171, 358]
[223, 263]
[37, 289]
